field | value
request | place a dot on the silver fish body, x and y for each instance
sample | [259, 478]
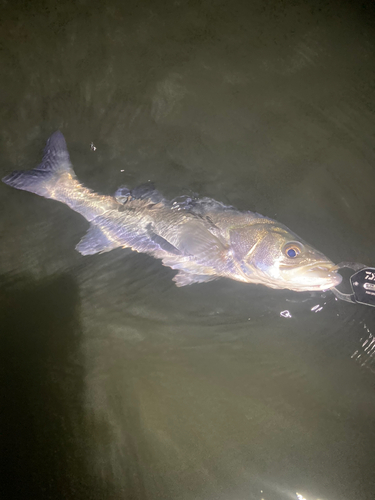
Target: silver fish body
[201, 238]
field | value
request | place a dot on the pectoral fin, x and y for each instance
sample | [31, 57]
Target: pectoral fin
[162, 242]
[195, 239]
[95, 241]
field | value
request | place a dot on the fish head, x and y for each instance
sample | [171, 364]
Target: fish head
[278, 258]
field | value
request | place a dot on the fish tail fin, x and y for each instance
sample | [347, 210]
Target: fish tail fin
[43, 179]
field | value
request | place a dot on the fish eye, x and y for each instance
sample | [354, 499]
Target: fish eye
[292, 250]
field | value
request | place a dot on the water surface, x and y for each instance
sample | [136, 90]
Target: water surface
[116, 384]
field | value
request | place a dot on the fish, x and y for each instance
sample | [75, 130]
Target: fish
[201, 238]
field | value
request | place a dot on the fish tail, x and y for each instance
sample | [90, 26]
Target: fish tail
[43, 179]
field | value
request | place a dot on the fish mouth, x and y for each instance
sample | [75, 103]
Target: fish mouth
[324, 273]
[321, 275]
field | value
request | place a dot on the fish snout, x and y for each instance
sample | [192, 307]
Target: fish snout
[326, 274]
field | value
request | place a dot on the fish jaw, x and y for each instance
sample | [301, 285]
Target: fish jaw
[315, 277]
[329, 276]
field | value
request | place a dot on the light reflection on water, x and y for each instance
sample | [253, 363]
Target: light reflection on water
[365, 354]
[301, 497]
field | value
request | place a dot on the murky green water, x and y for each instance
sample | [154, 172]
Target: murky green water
[116, 384]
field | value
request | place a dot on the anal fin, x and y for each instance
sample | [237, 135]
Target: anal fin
[95, 241]
[184, 279]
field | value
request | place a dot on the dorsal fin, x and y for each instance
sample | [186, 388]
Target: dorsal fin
[122, 194]
[146, 191]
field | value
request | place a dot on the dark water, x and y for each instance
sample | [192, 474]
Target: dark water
[116, 384]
